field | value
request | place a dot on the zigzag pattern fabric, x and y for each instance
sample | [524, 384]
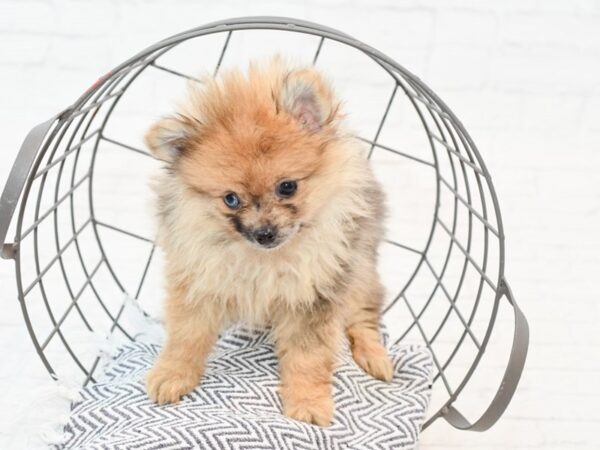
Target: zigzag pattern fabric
[237, 406]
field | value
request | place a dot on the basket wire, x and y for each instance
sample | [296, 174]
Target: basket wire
[58, 216]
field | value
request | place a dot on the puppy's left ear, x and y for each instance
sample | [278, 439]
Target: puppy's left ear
[308, 97]
[169, 137]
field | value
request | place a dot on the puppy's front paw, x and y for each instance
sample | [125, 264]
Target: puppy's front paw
[168, 385]
[317, 410]
[374, 360]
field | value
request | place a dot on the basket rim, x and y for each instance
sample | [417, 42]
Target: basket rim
[301, 26]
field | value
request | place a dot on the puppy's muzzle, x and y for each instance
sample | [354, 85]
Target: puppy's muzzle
[266, 236]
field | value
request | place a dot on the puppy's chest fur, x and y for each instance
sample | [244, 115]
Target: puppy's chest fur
[253, 286]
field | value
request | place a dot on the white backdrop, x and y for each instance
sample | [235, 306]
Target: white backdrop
[522, 75]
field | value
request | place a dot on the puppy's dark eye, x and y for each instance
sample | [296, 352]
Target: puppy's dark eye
[232, 200]
[287, 188]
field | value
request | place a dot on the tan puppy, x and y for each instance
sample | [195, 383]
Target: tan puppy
[269, 214]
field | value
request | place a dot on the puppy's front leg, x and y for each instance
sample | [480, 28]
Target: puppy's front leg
[364, 298]
[307, 343]
[192, 330]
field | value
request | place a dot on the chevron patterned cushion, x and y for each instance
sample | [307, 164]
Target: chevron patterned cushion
[237, 404]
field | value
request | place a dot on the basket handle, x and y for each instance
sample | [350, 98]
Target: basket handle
[16, 181]
[511, 377]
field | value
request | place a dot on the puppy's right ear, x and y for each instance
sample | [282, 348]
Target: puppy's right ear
[168, 138]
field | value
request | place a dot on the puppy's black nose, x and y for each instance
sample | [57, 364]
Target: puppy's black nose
[265, 235]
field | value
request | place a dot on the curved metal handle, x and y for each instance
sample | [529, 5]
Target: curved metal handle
[16, 182]
[511, 377]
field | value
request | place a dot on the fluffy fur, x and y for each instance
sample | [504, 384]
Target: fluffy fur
[244, 134]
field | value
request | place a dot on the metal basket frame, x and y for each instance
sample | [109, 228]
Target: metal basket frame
[42, 143]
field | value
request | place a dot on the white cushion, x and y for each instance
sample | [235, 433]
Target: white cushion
[237, 405]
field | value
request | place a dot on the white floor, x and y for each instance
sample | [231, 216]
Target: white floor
[537, 132]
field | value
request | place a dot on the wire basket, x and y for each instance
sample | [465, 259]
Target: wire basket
[83, 248]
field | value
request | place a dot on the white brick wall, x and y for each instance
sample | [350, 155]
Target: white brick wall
[523, 76]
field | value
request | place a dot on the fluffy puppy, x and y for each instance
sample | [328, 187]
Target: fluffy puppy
[268, 214]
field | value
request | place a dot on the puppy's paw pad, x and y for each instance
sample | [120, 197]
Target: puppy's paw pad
[167, 386]
[314, 411]
[377, 364]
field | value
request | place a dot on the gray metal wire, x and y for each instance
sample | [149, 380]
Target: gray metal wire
[59, 145]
